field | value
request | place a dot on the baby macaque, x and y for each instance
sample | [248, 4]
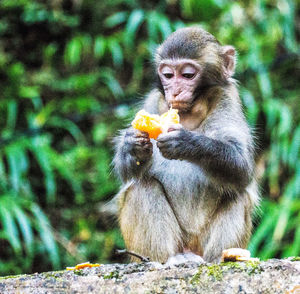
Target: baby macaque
[192, 193]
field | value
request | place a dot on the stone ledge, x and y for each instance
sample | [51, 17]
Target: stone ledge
[272, 276]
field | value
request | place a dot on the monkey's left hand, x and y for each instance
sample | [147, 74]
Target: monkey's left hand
[173, 144]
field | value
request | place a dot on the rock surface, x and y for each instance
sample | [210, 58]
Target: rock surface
[272, 276]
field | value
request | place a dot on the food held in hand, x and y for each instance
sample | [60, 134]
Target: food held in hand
[154, 124]
[146, 122]
[168, 118]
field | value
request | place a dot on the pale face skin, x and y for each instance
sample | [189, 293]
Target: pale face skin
[179, 78]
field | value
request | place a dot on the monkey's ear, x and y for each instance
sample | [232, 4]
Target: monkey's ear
[228, 53]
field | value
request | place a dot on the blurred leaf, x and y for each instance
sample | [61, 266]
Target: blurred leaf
[165, 27]
[285, 122]
[116, 19]
[39, 148]
[294, 250]
[17, 163]
[110, 81]
[100, 133]
[152, 28]
[251, 107]
[10, 228]
[116, 52]
[46, 235]
[135, 19]
[294, 147]
[25, 227]
[265, 227]
[73, 51]
[12, 111]
[265, 84]
[99, 46]
[68, 125]
[29, 92]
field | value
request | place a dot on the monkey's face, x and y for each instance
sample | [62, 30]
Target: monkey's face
[179, 79]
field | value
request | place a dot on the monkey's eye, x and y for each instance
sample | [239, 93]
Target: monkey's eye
[188, 75]
[188, 71]
[168, 75]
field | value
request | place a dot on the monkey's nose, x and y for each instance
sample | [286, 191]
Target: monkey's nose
[175, 94]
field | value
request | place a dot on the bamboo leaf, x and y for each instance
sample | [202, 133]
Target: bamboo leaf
[116, 52]
[116, 19]
[40, 149]
[164, 27]
[134, 22]
[46, 235]
[99, 46]
[264, 229]
[73, 51]
[265, 84]
[111, 82]
[294, 147]
[10, 228]
[25, 227]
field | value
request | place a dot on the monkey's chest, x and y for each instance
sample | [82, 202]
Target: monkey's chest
[186, 186]
[179, 177]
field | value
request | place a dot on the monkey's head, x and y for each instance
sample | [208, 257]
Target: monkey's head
[189, 62]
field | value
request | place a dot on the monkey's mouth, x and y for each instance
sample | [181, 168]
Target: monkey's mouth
[181, 106]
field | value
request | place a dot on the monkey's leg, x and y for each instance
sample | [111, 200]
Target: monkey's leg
[230, 228]
[147, 222]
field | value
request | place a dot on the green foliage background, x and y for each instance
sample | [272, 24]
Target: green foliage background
[69, 73]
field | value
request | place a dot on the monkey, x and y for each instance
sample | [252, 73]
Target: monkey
[189, 195]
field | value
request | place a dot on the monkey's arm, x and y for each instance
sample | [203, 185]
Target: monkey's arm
[224, 161]
[133, 154]
[133, 151]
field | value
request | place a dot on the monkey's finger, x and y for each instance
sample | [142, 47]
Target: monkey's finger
[144, 146]
[143, 154]
[167, 155]
[141, 134]
[174, 127]
[141, 150]
[148, 146]
[165, 148]
[147, 149]
[164, 144]
[133, 133]
[160, 145]
[143, 141]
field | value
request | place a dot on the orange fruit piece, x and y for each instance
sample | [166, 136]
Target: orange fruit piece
[148, 123]
[237, 254]
[168, 118]
[154, 124]
[83, 265]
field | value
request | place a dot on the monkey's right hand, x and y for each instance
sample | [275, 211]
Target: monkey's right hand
[139, 144]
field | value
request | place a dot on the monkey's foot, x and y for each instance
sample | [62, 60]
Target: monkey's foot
[236, 254]
[183, 258]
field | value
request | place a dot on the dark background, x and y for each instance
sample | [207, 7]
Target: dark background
[70, 73]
